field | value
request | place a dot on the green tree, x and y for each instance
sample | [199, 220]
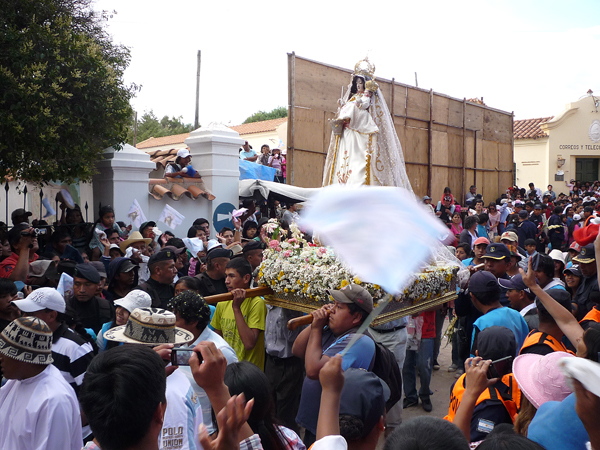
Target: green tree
[259, 116]
[62, 95]
[149, 126]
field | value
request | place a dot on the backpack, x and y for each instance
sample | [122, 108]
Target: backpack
[386, 367]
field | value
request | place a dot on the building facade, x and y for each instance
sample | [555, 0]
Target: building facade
[555, 150]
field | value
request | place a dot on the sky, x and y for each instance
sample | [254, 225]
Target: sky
[528, 56]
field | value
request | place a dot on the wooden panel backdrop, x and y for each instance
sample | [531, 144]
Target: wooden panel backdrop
[445, 141]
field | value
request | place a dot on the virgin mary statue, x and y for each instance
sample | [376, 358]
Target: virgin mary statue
[364, 147]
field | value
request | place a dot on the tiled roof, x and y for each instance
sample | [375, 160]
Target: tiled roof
[529, 128]
[246, 128]
[165, 140]
[258, 127]
[479, 101]
[162, 157]
[177, 188]
[174, 188]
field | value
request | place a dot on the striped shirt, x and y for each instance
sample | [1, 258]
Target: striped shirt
[71, 354]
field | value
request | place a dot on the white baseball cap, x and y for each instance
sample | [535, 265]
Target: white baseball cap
[183, 153]
[135, 299]
[42, 298]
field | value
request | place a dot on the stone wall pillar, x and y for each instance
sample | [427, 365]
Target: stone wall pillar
[122, 177]
[215, 156]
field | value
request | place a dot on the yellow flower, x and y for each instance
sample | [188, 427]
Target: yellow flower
[356, 280]
[298, 281]
[344, 283]
[376, 286]
[286, 290]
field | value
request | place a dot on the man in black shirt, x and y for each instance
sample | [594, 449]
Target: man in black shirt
[587, 291]
[91, 311]
[8, 311]
[212, 281]
[162, 273]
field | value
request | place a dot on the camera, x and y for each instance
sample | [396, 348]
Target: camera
[181, 356]
[35, 233]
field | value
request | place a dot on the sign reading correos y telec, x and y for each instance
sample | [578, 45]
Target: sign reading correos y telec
[593, 134]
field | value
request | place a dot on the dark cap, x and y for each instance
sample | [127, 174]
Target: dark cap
[55, 270]
[561, 296]
[516, 284]
[496, 251]
[147, 224]
[174, 249]
[100, 267]
[19, 212]
[219, 252]
[538, 206]
[483, 282]
[87, 272]
[127, 266]
[495, 343]
[573, 270]
[253, 245]
[353, 293]
[586, 255]
[523, 214]
[529, 242]
[364, 396]
[163, 255]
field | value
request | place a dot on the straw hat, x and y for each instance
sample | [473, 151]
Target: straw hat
[150, 326]
[136, 236]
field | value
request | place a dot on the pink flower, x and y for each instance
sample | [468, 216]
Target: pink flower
[292, 240]
[287, 253]
[274, 244]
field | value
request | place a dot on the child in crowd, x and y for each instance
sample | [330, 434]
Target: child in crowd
[105, 222]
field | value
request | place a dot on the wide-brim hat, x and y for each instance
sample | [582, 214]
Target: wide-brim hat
[540, 377]
[150, 326]
[27, 339]
[136, 236]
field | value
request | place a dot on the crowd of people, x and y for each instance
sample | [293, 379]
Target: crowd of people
[108, 341]
[274, 158]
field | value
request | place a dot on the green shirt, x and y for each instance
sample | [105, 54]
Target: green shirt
[254, 311]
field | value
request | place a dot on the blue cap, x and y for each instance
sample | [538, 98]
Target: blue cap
[364, 396]
[497, 251]
[516, 283]
[483, 282]
[87, 272]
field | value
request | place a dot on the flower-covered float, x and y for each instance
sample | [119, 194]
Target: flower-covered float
[300, 272]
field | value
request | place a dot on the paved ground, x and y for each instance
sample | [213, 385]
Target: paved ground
[441, 380]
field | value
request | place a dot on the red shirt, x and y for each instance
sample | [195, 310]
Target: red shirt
[428, 331]
[8, 265]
